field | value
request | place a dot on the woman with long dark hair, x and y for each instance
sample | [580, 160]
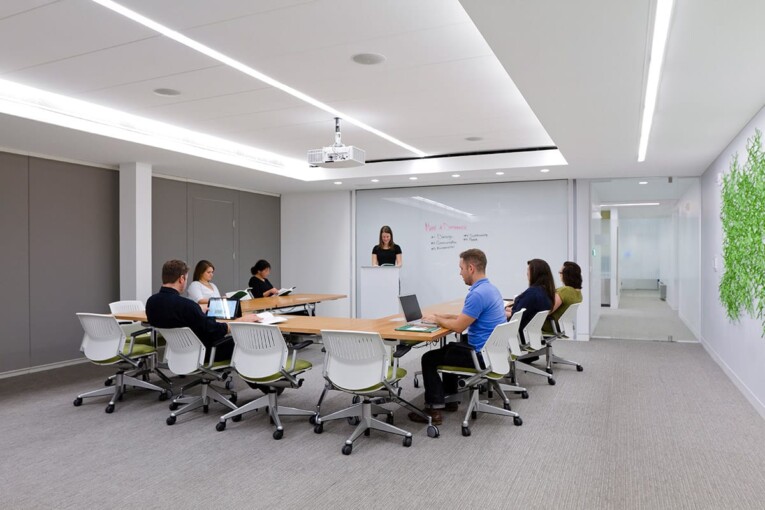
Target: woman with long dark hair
[386, 252]
[538, 297]
[202, 288]
[568, 294]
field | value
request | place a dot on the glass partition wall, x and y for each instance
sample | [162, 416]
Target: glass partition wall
[644, 245]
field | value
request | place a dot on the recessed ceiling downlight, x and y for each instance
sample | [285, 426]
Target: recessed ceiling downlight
[167, 92]
[368, 59]
[473, 138]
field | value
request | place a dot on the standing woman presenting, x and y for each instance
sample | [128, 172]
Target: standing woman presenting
[202, 288]
[386, 252]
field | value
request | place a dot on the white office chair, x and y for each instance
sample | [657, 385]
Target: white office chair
[262, 358]
[494, 354]
[104, 343]
[185, 355]
[361, 364]
[534, 347]
[564, 328]
[514, 350]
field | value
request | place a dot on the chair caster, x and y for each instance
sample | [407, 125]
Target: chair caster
[77, 402]
[389, 419]
[319, 428]
[229, 384]
[220, 426]
[517, 421]
[507, 406]
[312, 419]
[233, 398]
[109, 409]
[170, 420]
[548, 370]
[416, 382]
[347, 449]
[353, 420]
[164, 395]
[237, 418]
[206, 409]
[278, 434]
[473, 415]
[433, 431]
[367, 432]
[524, 394]
[579, 368]
[407, 442]
[466, 431]
[551, 381]
[109, 382]
[173, 406]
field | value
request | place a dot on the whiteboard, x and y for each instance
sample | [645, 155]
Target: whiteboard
[511, 222]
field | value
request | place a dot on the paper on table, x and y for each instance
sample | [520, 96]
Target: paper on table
[284, 292]
[269, 318]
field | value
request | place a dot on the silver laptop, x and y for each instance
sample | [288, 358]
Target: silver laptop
[412, 312]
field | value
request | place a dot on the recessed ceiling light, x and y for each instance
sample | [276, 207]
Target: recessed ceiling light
[500, 173]
[375, 180]
[167, 92]
[545, 170]
[338, 182]
[455, 175]
[643, 182]
[413, 178]
[368, 59]
[473, 138]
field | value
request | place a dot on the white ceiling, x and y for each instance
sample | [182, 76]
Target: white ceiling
[533, 74]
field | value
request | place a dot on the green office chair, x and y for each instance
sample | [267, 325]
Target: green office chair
[105, 343]
[262, 358]
[494, 354]
[185, 355]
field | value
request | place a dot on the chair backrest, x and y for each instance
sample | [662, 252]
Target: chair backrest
[494, 351]
[103, 337]
[126, 306]
[184, 352]
[355, 360]
[513, 339]
[566, 321]
[259, 349]
[533, 330]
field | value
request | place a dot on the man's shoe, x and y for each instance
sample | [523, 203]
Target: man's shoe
[452, 407]
[435, 416]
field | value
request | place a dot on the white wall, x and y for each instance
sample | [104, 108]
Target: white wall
[316, 247]
[668, 257]
[596, 256]
[581, 254]
[639, 260]
[739, 348]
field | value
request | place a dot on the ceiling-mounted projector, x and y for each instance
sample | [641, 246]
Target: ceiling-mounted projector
[337, 155]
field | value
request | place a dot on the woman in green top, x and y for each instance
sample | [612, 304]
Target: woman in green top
[570, 293]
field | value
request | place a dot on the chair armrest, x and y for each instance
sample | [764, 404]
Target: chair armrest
[301, 345]
[402, 349]
[140, 332]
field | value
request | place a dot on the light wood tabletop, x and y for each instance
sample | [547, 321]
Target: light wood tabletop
[288, 301]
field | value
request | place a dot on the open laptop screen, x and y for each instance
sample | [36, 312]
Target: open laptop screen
[223, 308]
[410, 307]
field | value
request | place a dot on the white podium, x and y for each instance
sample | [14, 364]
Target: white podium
[378, 291]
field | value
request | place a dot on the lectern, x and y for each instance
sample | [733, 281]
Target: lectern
[378, 291]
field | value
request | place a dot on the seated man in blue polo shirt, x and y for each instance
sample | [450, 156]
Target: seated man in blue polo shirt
[482, 312]
[169, 309]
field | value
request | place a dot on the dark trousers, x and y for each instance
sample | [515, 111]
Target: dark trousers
[454, 354]
[223, 352]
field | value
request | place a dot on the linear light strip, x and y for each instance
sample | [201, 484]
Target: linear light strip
[658, 45]
[239, 66]
[633, 204]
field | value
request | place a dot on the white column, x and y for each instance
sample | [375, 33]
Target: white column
[135, 231]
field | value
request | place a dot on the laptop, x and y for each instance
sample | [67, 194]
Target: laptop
[412, 312]
[223, 308]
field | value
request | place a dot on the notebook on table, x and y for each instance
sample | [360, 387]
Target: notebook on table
[413, 315]
[223, 308]
[284, 292]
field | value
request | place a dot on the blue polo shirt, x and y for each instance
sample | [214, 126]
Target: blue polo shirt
[484, 304]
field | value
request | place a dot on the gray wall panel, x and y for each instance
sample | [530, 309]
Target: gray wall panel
[74, 253]
[14, 258]
[212, 212]
[169, 238]
[259, 235]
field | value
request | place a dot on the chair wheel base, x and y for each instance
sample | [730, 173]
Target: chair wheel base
[466, 431]
[517, 421]
[109, 409]
[77, 402]
[170, 420]
[579, 368]
[220, 426]
[347, 449]
[319, 428]
[407, 442]
[433, 431]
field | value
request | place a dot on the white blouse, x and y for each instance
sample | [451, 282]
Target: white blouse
[197, 291]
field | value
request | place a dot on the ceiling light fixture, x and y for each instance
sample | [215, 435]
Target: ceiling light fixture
[656, 58]
[545, 170]
[473, 138]
[643, 182]
[413, 178]
[375, 180]
[239, 66]
[338, 182]
[455, 175]
[368, 59]
[500, 173]
[632, 204]
[167, 92]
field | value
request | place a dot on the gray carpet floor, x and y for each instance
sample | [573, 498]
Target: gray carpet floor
[642, 316]
[646, 425]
